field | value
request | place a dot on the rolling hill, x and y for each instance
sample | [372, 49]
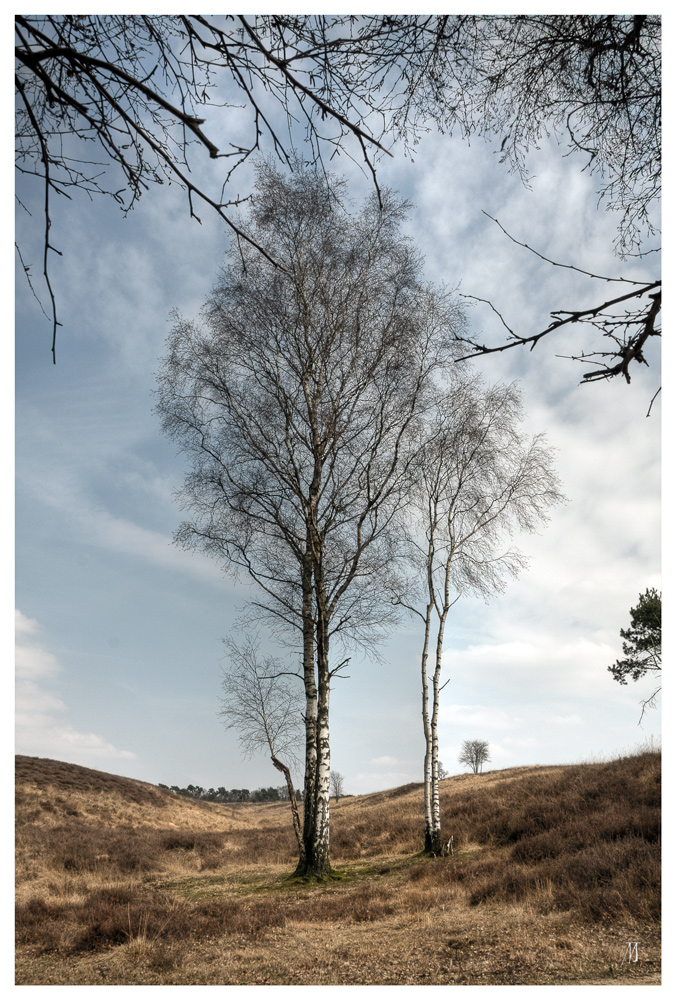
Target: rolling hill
[553, 871]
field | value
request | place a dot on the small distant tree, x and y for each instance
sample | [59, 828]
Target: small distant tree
[264, 709]
[474, 753]
[441, 771]
[642, 646]
[337, 784]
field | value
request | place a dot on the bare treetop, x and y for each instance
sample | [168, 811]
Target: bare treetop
[260, 704]
[266, 711]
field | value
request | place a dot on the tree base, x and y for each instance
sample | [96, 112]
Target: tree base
[433, 844]
[305, 876]
[309, 872]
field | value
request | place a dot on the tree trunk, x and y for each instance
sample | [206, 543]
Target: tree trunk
[316, 825]
[294, 808]
[435, 833]
[427, 792]
[310, 780]
[321, 861]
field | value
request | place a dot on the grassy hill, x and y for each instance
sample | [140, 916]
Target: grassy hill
[553, 871]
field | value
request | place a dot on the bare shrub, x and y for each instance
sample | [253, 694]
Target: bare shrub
[110, 917]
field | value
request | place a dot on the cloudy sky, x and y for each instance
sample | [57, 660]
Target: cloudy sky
[119, 633]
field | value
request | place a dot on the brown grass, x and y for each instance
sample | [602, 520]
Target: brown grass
[553, 871]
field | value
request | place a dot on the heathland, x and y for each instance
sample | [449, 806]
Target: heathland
[553, 872]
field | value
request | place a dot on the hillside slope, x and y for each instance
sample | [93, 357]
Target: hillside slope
[552, 871]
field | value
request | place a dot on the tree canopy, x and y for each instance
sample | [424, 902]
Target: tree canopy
[143, 94]
[475, 754]
[642, 645]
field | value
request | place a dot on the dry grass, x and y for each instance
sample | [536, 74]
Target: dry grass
[553, 871]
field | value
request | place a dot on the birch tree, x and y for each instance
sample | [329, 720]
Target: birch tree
[479, 479]
[299, 399]
[266, 711]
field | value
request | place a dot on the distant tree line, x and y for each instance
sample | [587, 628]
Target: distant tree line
[271, 794]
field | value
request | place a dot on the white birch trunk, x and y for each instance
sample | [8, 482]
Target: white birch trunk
[321, 863]
[435, 833]
[310, 780]
[427, 787]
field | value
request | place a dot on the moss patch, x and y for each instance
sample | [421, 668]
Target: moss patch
[210, 886]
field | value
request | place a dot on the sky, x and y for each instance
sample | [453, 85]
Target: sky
[120, 634]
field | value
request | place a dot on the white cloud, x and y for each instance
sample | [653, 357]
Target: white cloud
[97, 526]
[42, 727]
[565, 720]
[503, 755]
[32, 661]
[385, 761]
[364, 782]
[542, 665]
[477, 715]
[24, 626]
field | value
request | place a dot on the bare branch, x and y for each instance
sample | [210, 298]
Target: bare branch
[140, 88]
[555, 263]
[629, 331]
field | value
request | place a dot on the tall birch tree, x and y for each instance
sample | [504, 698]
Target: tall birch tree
[299, 399]
[480, 478]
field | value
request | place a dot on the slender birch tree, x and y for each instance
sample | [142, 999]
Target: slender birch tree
[299, 399]
[479, 479]
[261, 705]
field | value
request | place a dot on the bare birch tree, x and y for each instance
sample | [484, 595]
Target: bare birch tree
[299, 400]
[267, 712]
[480, 479]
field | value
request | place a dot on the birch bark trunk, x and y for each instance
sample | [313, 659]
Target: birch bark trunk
[310, 780]
[427, 788]
[435, 835]
[321, 862]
